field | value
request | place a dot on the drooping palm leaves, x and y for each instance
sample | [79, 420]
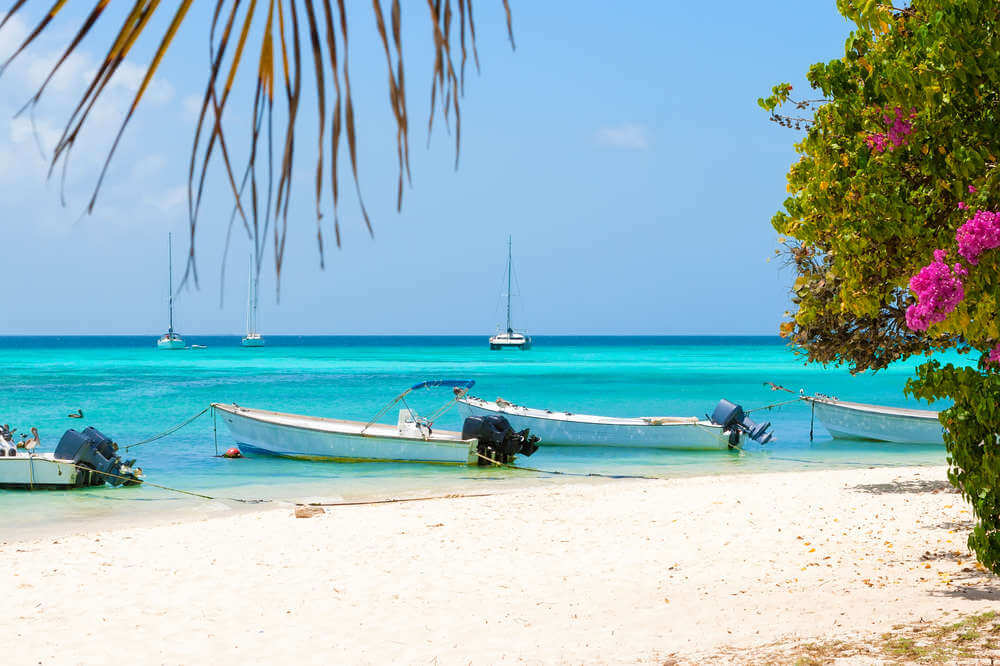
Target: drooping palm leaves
[287, 26]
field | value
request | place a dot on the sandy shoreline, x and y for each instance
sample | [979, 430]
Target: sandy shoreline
[610, 572]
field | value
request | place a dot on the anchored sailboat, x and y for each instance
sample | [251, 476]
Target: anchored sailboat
[170, 339]
[509, 339]
[252, 338]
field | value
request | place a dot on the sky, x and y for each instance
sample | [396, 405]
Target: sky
[619, 146]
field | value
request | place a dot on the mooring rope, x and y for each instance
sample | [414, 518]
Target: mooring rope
[772, 406]
[558, 473]
[169, 431]
[143, 482]
[393, 500]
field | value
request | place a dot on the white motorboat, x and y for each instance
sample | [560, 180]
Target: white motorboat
[722, 432]
[509, 339]
[253, 338]
[38, 471]
[855, 420]
[170, 339]
[411, 439]
[81, 459]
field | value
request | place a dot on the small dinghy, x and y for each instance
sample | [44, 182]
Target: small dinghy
[482, 441]
[855, 420]
[82, 459]
[723, 430]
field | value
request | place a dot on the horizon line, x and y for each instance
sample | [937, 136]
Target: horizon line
[395, 335]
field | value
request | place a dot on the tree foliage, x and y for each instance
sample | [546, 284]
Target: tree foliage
[271, 36]
[900, 151]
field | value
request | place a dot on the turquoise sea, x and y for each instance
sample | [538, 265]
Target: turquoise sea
[131, 391]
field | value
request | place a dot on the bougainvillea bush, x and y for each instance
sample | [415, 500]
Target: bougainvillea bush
[893, 218]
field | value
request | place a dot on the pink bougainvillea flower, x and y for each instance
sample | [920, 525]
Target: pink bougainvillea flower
[978, 234]
[962, 205]
[897, 130]
[995, 355]
[938, 288]
[972, 190]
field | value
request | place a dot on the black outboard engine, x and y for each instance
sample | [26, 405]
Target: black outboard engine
[498, 442]
[732, 418]
[91, 449]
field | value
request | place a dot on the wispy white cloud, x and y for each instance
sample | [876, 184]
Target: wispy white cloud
[27, 141]
[192, 106]
[628, 136]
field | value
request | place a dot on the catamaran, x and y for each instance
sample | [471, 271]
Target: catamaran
[509, 339]
[170, 339]
[411, 439]
[252, 338]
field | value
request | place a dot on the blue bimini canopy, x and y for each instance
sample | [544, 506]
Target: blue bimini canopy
[457, 383]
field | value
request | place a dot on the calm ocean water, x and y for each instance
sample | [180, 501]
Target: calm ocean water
[131, 391]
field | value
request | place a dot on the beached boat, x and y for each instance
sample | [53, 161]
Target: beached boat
[82, 459]
[170, 339]
[412, 439]
[723, 431]
[855, 420]
[253, 338]
[509, 339]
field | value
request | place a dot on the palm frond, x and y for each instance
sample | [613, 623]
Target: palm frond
[287, 24]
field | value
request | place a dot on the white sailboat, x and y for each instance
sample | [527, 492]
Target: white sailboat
[170, 339]
[509, 339]
[253, 338]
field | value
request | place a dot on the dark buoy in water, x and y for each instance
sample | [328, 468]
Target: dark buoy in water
[232, 452]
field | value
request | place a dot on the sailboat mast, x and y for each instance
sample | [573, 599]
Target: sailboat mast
[170, 283]
[254, 302]
[509, 329]
[250, 296]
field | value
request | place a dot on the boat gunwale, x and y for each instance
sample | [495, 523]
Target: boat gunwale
[875, 409]
[629, 421]
[451, 438]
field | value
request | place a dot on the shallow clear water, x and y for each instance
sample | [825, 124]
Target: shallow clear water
[131, 391]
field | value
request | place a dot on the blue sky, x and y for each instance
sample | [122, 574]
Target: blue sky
[621, 147]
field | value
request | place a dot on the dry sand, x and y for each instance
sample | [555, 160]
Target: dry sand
[616, 572]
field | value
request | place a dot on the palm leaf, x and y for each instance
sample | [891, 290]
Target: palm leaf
[287, 24]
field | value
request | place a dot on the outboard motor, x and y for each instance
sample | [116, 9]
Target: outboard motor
[92, 449]
[497, 440]
[732, 418]
[7, 446]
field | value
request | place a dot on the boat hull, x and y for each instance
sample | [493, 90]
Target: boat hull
[173, 343]
[510, 345]
[39, 472]
[562, 429]
[252, 342]
[510, 341]
[313, 438]
[869, 422]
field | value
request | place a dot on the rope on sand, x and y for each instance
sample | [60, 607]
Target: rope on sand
[393, 500]
[497, 463]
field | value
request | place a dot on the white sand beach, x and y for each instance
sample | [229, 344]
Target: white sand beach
[615, 571]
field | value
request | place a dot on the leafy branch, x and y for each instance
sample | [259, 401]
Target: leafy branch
[322, 25]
